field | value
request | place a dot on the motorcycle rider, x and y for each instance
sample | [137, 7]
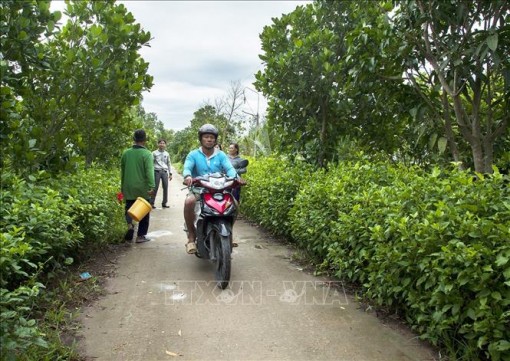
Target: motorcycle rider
[206, 159]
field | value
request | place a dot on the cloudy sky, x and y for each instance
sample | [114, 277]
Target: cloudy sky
[199, 48]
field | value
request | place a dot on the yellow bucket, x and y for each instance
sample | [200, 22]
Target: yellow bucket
[139, 209]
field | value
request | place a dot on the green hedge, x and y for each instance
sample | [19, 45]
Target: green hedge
[433, 246]
[46, 223]
[270, 197]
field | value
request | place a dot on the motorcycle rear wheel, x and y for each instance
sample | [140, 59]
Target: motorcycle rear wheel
[223, 252]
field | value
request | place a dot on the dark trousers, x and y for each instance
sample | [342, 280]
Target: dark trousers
[163, 176]
[236, 192]
[143, 226]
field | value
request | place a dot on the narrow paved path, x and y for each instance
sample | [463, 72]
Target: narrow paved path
[163, 304]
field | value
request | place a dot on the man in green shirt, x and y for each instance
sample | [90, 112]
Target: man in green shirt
[137, 180]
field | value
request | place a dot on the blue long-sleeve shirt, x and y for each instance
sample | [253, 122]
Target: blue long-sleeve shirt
[198, 164]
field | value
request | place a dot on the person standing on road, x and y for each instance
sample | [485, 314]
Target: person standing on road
[162, 171]
[137, 180]
[206, 159]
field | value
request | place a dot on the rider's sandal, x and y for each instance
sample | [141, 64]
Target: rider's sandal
[234, 244]
[191, 248]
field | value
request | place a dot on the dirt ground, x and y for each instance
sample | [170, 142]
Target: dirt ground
[163, 304]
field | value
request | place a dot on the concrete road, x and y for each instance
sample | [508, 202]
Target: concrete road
[163, 304]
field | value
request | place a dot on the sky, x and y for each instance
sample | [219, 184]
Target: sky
[199, 48]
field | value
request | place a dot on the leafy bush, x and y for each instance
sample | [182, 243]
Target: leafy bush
[94, 206]
[36, 228]
[273, 184]
[432, 246]
[46, 223]
[18, 333]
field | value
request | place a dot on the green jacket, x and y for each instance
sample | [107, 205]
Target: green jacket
[137, 173]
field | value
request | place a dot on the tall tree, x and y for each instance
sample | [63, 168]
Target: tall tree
[155, 128]
[22, 25]
[299, 80]
[229, 107]
[187, 139]
[310, 80]
[405, 78]
[459, 50]
[75, 105]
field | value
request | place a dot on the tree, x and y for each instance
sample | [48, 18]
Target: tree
[410, 80]
[139, 118]
[310, 77]
[229, 107]
[181, 144]
[457, 52]
[22, 24]
[187, 139]
[256, 142]
[75, 106]
[297, 79]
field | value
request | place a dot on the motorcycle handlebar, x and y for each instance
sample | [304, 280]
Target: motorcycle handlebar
[195, 181]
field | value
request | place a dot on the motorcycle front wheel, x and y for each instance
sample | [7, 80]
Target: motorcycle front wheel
[222, 252]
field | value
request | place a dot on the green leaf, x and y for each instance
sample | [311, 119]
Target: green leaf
[441, 144]
[503, 345]
[471, 314]
[57, 15]
[387, 6]
[432, 140]
[96, 30]
[492, 42]
[137, 86]
[501, 260]
[50, 26]
[496, 296]
[5, 90]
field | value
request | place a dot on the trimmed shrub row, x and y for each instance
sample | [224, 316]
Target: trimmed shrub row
[273, 187]
[45, 224]
[432, 246]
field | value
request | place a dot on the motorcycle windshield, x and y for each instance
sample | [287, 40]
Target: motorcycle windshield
[217, 183]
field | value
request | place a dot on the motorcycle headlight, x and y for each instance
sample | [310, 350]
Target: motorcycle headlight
[218, 196]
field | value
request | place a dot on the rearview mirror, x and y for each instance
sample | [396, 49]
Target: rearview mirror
[243, 164]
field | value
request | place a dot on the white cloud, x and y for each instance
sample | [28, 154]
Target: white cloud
[175, 100]
[198, 48]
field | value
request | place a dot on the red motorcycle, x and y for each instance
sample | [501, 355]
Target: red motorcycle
[216, 212]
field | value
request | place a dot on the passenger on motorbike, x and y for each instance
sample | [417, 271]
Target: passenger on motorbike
[206, 159]
[236, 160]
